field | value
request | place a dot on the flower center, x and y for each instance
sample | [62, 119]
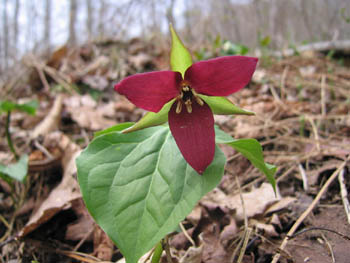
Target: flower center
[186, 97]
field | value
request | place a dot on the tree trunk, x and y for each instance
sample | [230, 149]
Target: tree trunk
[15, 24]
[5, 35]
[89, 19]
[47, 26]
[102, 13]
[72, 20]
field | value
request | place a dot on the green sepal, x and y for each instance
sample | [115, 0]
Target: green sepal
[17, 171]
[250, 149]
[116, 128]
[151, 119]
[223, 106]
[180, 57]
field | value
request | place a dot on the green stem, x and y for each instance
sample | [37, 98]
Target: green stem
[157, 254]
[8, 135]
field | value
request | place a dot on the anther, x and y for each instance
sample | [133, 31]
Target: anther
[188, 104]
[186, 88]
[178, 106]
[199, 100]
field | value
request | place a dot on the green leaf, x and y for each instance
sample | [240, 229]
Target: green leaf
[6, 106]
[250, 149]
[223, 106]
[29, 107]
[180, 57]
[118, 127]
[152, 119]
[17, 171]
[138, 187]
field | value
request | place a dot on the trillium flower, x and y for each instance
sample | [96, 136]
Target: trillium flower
[190, 117]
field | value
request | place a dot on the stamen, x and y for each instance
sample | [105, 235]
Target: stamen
[199, 100]
[178, 106]
[188, 104]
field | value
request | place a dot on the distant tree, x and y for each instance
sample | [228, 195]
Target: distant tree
[72, 21]
[89, 19]
[15, 24]
[5, 34]
[101, 19]
[47, 26]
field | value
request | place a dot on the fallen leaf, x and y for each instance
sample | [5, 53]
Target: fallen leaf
[62, 196]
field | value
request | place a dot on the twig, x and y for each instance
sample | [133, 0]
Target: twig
[42, 77]
[344, 195]
[43, 150]
[329, 247]
[8, 135]
[318, 228]
[247, 233]
[304, 177]
[283, 81]
[186, 234]
[247, 229]
[242, 203]
[83, 239]
[323, 95]
[309, 209]
[314, 129]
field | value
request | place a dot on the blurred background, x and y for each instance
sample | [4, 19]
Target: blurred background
[39, 26]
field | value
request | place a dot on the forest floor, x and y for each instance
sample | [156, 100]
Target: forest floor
[302, 106]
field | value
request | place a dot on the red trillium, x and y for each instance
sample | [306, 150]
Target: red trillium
[190, 118]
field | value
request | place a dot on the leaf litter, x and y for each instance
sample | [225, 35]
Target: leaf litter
[302, 120]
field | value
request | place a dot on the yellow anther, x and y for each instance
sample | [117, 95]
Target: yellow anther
[188, 104]
[199, 100]
[178, 106]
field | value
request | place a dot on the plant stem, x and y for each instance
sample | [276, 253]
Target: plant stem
[157, 254]
[8, 135]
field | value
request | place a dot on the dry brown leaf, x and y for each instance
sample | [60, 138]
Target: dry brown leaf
[51, 121]
[62, 196]
[103, 245]
[83, 227]
[192, 255]
[87, 114]
[281, 204]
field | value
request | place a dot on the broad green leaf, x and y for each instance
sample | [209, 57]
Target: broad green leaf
[223, 106]
[29, 107]
[250, 149]
[180, 57]
[17, 171]
[152, 119]
[138, 187]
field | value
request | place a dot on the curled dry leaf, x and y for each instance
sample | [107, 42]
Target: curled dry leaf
[51, 121]
[62, 196]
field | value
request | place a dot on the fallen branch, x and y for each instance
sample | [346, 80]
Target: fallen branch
[338, 45]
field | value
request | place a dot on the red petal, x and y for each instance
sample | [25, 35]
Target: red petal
[194, 134]
[151, 90]
[221, 76]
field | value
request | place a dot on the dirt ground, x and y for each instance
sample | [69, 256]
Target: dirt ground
[302, 106]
